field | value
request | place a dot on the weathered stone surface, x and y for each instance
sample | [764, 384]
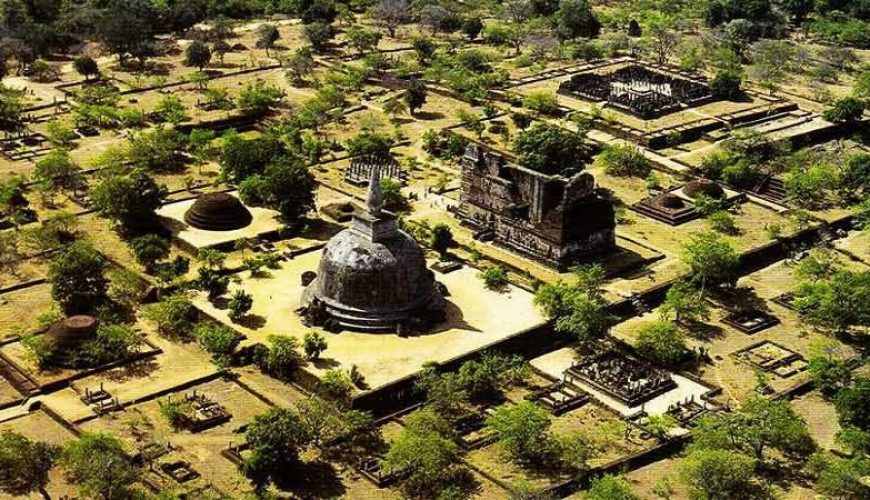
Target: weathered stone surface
[372, 276]
[550, 218]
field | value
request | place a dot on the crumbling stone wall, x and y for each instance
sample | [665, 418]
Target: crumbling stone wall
[549, 218]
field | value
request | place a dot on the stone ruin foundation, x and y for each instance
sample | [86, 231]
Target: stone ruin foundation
[641, 91]
[626, 379]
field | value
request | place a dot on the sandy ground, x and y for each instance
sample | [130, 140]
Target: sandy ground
[477, 317]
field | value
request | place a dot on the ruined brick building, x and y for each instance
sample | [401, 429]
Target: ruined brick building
[552, 219]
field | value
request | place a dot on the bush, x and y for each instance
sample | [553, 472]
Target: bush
[494, 277]
[218, 340]
[662, 343]
[174, 316]
[722, 222]
[542, 102]
[441, 238]
[149, 250]
[726, 85]
[610, 487]
[523, 431]
[314, 344]
[239, 306]
[623, 160]
[337, 384]
[281, 359]
[845, 110]
[113, 342]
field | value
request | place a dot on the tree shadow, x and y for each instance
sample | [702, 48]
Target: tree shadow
[702, 331]
[136, 369]
[428, 115]
[313, 480]
[325, 363]
[252, 321]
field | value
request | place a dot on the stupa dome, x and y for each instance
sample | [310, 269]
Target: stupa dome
[373, 276]
[695, 188]
[670, 200]
[217, 212]
[65, 337]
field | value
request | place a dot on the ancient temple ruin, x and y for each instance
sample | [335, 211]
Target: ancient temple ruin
[636, 89]
[372, 276]
[555, 220]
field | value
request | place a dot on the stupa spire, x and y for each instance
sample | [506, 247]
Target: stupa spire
[375, 198]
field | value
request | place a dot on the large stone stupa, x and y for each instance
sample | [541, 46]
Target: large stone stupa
[372, 276]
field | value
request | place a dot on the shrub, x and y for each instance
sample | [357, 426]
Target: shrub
[661, 342]
[314, 344]
[623, 160]
[281, 359]
[218, 340]
[494, 277]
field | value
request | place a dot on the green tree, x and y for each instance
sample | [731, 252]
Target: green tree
[149, 249]
[362, 40]
[25, 463]
[686, 303]
[623, 160]
[55, 171]
[174, 316]
[427, 454]
[575, 19]
[441, 238]
[394, 107]
[259, 98]
[171, 109]
[829, 374]
[126, 27]
[719, 475]
[281, 358]
[726, 84]
[267, 36]
[760, 424]
[129, 199]
[853, 404]
[286, 185]
[522, 430]
[610, 487]
[845, 110]
[218, 340]
[97, 463]
[275, 437]
[661, 342]
[711, 259]
[314, 344]
[300, 65]
[415, 95]
[240, 304]
[839, 303]
[550, 149]
[86, 66]
[472, 27]
[197, 55]
[842, 478]
[77, 278]
[318, 35]
[578, 309]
